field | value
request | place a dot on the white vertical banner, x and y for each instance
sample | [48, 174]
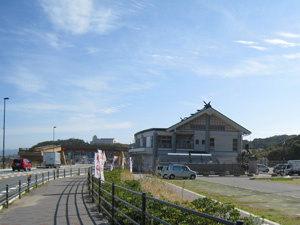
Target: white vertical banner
[123, 162]
[130, 164]
[97, 165]
[102, 159]
[113, 163]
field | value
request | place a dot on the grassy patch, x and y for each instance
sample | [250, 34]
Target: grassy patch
[280, 209]
[282, 180]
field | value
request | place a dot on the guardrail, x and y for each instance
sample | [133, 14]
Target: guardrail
[11, 191]
[96, 192]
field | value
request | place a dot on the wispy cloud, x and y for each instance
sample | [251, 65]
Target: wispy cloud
[83, 16]
[280, 42]
[292, 56]
[288, 35]
[251, 44]
[257, 47]
[26, 81]
[245, 42]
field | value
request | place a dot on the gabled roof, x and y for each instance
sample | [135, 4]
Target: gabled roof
[209, 111]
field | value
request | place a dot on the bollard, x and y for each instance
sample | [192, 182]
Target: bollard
[71, 171]
[20, 189]
[36, 181]
[78, 171]
[58, 173]
[7, 195]
[64, 173]
[48, 175]
[54, 174]
[42, 178]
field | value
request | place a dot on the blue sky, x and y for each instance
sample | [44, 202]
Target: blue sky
[113, 68]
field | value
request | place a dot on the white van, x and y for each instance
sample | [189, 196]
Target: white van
[180, 171]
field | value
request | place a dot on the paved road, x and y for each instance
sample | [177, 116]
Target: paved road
[61, 201]
[290, 190]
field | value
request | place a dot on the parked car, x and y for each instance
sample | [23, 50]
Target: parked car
[282, 167]
[18, 164]
[262, 168]
[158, 170]
[164, 171]
[180, 171]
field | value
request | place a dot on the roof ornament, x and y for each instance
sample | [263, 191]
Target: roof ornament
[207, 105]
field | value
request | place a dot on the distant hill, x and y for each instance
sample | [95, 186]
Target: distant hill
[266, 143]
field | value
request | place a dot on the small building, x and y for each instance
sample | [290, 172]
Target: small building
[103, 140]
[206, 136]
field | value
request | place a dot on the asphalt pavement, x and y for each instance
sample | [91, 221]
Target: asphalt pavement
[289, 190]
[61, 201]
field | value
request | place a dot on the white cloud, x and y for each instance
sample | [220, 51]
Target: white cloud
[257, 47]
[82, 16]
[289, 35]
[26, 81]
[245, 42]
[292, 56]
[280, 42]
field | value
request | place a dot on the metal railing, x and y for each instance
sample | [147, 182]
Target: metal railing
[109, 207]
[14, 190]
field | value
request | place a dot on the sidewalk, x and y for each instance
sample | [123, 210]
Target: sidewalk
[60, 201]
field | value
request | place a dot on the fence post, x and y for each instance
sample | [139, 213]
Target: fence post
[88, 183]
[92, 189]
[99, 197]
[28, 185]
[7, 195]
[20, 188]
[113, 204]
[36, 181]
[144, 208]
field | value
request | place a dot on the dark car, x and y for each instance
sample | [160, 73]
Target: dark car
[18, 164]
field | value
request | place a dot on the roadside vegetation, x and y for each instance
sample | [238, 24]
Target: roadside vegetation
[156, 188]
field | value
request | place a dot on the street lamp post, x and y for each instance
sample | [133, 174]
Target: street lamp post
[53, 136]
[4, 129]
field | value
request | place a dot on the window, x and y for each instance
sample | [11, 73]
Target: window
[212, 144]
[164, 141]
[149, 142]
[176, 168]
[197, 142]
[234, 145]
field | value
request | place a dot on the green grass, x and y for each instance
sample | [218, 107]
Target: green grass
[282, 180]
[280, 209]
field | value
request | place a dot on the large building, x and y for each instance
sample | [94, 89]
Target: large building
[206, 136]
[103, 140]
